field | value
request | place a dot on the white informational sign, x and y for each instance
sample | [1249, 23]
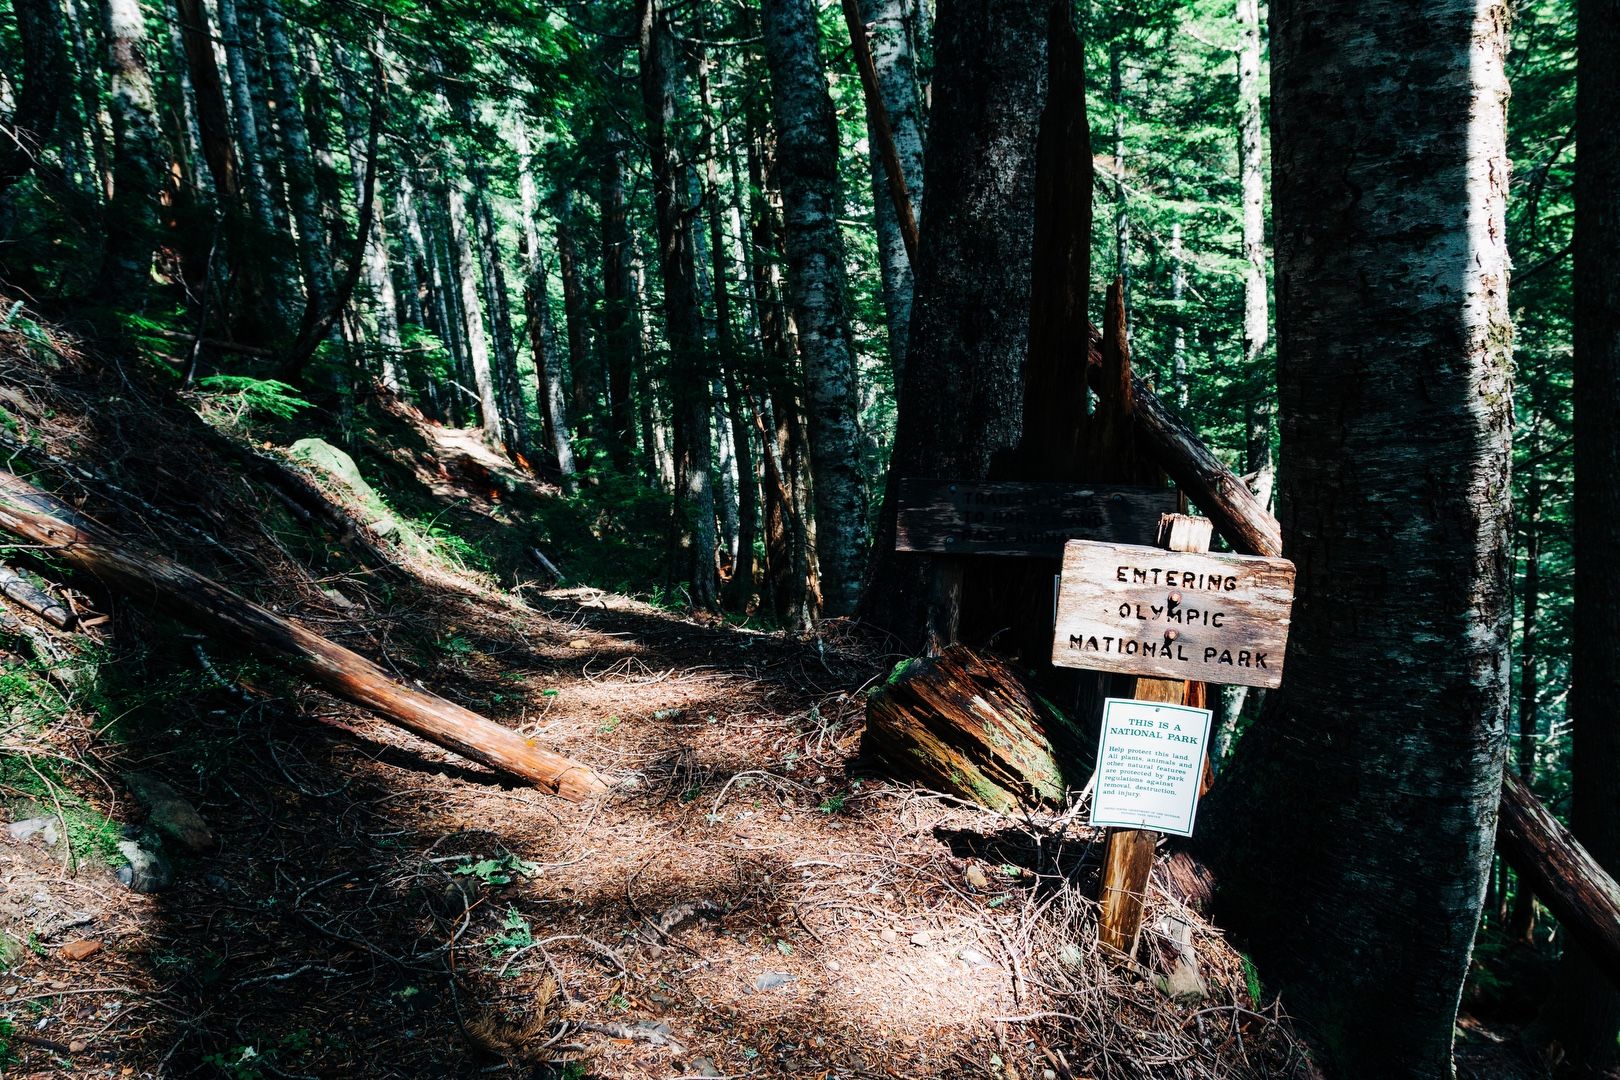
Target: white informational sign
[1149, 764]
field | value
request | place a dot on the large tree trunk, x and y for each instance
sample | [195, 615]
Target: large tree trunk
[1387, 734]
[807, 168]
[961, 405]
[1588, 1016]
[894, 64]
[683, 319]
[132, 214]
[206, 604]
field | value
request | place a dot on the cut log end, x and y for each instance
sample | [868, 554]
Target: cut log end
[970, 725]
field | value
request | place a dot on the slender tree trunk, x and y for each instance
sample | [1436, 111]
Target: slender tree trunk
[1256, 316]
[507, 389]
[250, 22]
[187, 143]
[582, 380]
[44, 85]
[465, 271]
[379, 282]
[895, 63]
[683, 319]
[247, 131]
[621, 329]
[1178, 344]
[1589, 1013]
[548, 378]
[314, 254]
[787, 541]
[1122, 216]
[82, 35]
[132, 215]
[962, 403]
[208, 90]
[1522, 925]
[807, 167]
[1386, 738]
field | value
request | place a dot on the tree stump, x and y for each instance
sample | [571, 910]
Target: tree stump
[970, 725]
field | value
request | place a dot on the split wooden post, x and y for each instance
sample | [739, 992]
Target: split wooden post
[1128, 860]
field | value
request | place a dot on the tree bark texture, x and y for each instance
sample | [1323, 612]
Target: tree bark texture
[132, 213]
[1393, 345]
[894, 64]
[807, 168]
[961, 405]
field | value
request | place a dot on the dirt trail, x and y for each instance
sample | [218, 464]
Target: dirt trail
[743, 904]
[739, 903]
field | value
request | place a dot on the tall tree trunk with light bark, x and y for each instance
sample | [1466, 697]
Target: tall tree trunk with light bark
[1387, 735]
[807, 168]
[137, 171]
[548, 379]
[1588, 1007]
[887, 23]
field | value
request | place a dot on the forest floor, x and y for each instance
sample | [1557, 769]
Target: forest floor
[746, 902]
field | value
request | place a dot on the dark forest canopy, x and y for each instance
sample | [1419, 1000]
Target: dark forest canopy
[714, 278]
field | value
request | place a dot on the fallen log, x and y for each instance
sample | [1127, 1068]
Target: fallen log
[1565, 877]
[31, 514]
[19, 590]
[970, 725]
[1583, 897]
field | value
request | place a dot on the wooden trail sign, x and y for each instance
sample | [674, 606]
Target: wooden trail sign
[1180, 615]
[958, 517]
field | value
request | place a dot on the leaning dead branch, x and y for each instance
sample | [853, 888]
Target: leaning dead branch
[35, 516]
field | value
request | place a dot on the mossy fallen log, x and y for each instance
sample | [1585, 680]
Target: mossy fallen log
[970, 725]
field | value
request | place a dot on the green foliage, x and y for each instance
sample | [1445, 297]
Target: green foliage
[497, 871]
[516, 933]
[268, 397]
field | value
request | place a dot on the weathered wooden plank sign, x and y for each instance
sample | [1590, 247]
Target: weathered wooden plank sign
[958, 517]
[1147, 611]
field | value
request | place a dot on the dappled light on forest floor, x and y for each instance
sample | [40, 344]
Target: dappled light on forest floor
[744, 901]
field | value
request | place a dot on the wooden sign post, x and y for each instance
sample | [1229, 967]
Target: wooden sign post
[1176, 617]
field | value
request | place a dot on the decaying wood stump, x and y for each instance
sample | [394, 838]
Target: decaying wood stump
[968, 724]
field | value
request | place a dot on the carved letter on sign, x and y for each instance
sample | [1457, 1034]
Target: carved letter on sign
[1176, 615]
